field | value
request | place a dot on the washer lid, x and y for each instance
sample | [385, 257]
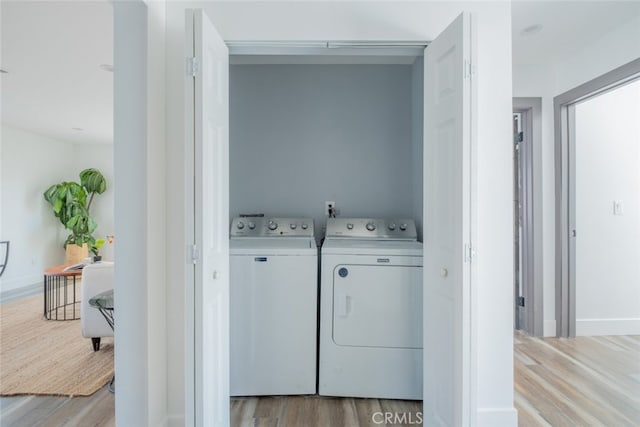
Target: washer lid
[273, 246]
[371, 247]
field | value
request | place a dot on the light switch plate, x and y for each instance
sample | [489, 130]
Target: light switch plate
[618, 207]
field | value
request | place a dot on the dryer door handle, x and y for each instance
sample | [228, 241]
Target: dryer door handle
[343, 304]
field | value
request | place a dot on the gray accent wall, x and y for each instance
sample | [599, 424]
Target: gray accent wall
[301, 135]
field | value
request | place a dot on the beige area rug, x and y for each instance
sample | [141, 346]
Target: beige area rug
[49, 357]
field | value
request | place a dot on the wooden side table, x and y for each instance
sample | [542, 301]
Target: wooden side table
[61, 301]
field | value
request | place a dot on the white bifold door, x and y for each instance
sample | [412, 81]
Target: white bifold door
[207, 69]
[447, 243]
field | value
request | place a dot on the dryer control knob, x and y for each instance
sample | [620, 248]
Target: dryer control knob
[252, 225]
[371, 226]
[240, 225]
[349, 226]
[403, 227]
[392, 226]
[293, 226]
[304, 226]
[272, 225]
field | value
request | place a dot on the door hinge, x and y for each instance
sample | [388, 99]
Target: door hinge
[192, 66]
[469, 69]
[469, 252]
[194, 253]
[520, 301]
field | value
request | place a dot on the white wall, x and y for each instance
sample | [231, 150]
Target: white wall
[493, 304]
[140, 205]
[31, 163]
[492, 290]
[614, 49]
[131, 285]
[301, 135]
[156, 199]
[607, 247]
[1, 168]
[417, 115]
[177, 234]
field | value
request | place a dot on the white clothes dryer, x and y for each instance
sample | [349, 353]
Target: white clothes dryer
[371, 309]
[273, 306]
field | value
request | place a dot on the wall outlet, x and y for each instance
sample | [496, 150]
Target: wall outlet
[329, 208]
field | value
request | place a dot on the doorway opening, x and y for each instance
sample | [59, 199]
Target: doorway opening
[527, 222]
[518, 138]
[606, 212]
[567, 231]
[450, 159]
[341, 127]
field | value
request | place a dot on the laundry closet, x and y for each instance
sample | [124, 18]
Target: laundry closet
[307, 132]
[173, 98]
[308, 129]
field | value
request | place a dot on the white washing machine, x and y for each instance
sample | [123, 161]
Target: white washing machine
[371, 309]
[273, 306]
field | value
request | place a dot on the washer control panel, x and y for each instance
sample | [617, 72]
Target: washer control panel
[372, 228]
[271, 227]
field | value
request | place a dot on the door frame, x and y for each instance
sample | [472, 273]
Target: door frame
[564, 137]
[531, 255]
[409, 47]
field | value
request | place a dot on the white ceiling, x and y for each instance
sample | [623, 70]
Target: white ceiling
[567, 27]
[53, 50]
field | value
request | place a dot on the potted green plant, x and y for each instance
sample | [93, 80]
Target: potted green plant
[95, 249]
[70, 203]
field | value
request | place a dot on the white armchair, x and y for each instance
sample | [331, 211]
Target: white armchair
[96, 278]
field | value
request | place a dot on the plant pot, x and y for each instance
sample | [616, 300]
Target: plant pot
[97, 258]
[76, 254]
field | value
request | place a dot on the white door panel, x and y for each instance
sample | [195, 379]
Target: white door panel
[447, 189]
[211, 218]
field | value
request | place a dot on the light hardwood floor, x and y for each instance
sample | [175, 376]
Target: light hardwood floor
[96, 410]
[585, 381]
[319, 411]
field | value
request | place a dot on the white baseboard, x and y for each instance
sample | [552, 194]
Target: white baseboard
[549, 328]
[497, 417]
[164, 422]
[18, 293]
[595, 327]
[10, 284]
[176, 420]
